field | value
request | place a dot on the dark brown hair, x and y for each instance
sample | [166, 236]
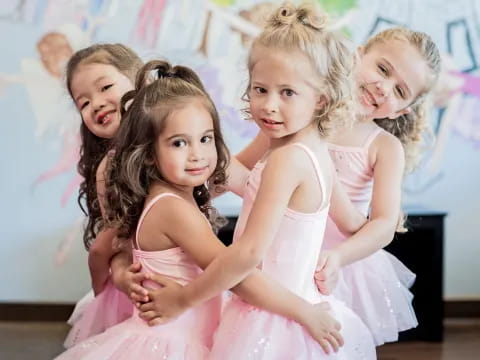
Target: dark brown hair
[159, 90]
[94, 148]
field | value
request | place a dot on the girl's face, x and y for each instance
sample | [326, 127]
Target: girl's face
[389, 77]
[185, 150]
[282, 99]
[97, 90]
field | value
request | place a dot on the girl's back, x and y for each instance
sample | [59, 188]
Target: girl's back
[188, 337]
[291, 261]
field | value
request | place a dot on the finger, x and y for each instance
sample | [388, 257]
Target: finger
[321, 262]
[138, 298]
[135, 267]
[148, 315]
[324, 345]
[135, 288]
[146, 307]
[160, 279]
[332, 341]
[338, 326]
[338, 337]
[157, 321]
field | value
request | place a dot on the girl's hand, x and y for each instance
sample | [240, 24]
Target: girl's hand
[166, 303]
[327, 272]
[130, 282]
[323, 327]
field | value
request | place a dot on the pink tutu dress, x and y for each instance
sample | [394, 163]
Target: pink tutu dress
[376, 287]
[93, 315]
[189, 337]
[247, 332]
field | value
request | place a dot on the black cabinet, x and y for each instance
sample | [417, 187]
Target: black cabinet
[421, 250]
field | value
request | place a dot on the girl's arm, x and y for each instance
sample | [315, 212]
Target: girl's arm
[254, 151]
[193, 234]
[101, 250]
[389, 166]
[240, 166]
[346, 216]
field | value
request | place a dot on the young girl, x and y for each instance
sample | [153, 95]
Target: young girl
[169, 146]
[97, 77]
[299, 79]
[395, 71]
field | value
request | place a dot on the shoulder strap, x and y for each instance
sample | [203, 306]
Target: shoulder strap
[147, 209]
[372, 137]
[319, 174]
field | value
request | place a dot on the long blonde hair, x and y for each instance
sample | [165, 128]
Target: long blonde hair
[301, 28]
[411, 127]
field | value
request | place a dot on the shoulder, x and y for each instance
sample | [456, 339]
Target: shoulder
[387, 147]
[289, 157]
[176, 214]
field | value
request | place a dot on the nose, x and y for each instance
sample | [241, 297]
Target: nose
[270, 104]
[196, 153]
[382, 89]
[98, 103]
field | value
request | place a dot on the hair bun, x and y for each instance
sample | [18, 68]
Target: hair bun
[289, 14]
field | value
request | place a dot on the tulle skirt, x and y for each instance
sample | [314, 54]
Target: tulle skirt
[93, 315]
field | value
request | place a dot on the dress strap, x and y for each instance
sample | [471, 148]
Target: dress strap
[372, 137]
[320, 177]
[147, 209]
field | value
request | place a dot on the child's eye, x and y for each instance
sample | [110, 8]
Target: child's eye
[288, 92]
[106, 87]
[206, 139]
[400, 92]
[259, 90]
[383, 69]
[84, 105]
[179, 143]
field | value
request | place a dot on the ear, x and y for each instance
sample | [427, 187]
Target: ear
[405, 111]
[321, 102]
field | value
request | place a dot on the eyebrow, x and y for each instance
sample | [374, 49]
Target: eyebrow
[95, 82]
[187, 136]
[404, 84]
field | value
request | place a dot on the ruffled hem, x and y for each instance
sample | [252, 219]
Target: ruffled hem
[109, 308]
[376, 289]
[246, 332]
[122, 344]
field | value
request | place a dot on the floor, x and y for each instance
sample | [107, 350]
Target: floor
[43, 340]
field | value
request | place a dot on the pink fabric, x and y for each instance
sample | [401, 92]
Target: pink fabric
[376, 287]
[246, 332]
[187, 338]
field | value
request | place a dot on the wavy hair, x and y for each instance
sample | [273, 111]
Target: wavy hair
[411, 127]
[160, 88]
[94, 148]
[303, 29]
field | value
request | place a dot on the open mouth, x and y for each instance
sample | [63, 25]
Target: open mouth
[270, 122]
[105, 118]
[367, 97]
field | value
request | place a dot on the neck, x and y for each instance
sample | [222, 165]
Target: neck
[185, 192]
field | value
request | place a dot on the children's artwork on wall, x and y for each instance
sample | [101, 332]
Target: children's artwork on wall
[211, 36]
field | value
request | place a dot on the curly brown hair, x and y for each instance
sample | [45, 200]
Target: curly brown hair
[159, 90]
[411, 127]
[302, 28]
[94, 148]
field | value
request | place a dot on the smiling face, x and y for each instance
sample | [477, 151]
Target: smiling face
[389, 77]
[97, 90]
[185, 149]
[282, 99]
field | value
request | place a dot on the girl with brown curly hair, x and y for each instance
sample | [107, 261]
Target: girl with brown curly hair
[168, 153]
[299, 90]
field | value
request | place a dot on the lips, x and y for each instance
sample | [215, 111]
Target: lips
[197, 170]
[368, 97]
[270, 123]
[105, 117]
